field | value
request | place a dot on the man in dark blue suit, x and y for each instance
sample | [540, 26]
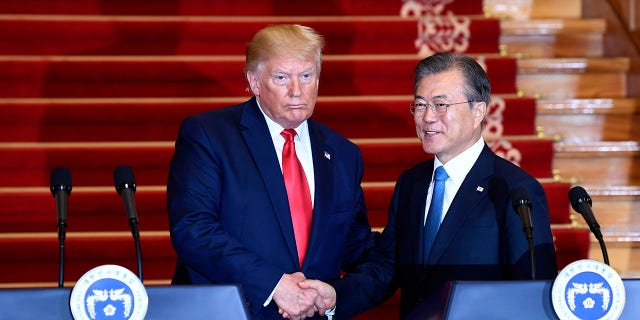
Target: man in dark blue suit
[478, 235]
[229, 210]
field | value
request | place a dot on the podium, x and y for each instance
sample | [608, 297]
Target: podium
[191, 302]
[497, 300]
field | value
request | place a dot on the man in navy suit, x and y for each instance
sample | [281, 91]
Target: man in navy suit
[480, 235]
[229, 214]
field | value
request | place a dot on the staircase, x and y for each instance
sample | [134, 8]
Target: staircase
[594, 115]
[91, 85]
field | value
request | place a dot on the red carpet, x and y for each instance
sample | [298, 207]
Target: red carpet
[195, 36]
[37, 256]
[210, 76]
[222, 7]
[158, 119]
[101, 209]
[92, 164]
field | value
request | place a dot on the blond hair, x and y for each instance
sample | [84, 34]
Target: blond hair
[284, 40]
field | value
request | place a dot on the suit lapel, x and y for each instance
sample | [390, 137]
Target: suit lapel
[256, 133]
[418, 207]
[471, 192]
[324, 173]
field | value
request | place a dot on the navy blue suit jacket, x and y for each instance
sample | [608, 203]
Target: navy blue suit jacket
[481, 237]
[228, 210]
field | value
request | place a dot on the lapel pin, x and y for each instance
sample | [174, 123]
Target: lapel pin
[479, 189]
[327, 155]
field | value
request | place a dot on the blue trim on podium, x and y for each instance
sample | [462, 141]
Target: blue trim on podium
[522, 300]
[165, 302]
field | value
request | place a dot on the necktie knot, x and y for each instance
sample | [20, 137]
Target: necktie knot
[288, 134]
[441, 174]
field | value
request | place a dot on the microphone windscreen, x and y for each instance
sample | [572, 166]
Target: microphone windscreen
[578, 195]
[60, 180]
[123, 178]
[520, 196]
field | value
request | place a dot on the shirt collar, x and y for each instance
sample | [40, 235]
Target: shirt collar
[458, 167]
[275, 129]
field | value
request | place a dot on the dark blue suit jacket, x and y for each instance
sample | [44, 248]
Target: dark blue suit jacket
[228, 210]
[481, 237]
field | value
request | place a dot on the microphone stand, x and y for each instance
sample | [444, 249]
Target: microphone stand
[133, 224]
[605, 255]
[528, 231]
[596, 232]
[532, 257]
[62, 228]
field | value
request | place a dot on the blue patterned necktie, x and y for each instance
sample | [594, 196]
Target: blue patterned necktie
[434, 217]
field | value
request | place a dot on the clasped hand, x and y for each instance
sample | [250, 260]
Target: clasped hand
[298, 298]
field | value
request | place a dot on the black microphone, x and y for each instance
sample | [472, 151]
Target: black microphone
[61, 189]
[125, 184]
[581, 203]
[522, 205]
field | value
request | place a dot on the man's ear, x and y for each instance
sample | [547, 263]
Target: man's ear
[479, 109]
[254, 85]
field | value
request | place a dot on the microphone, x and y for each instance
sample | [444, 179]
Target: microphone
[522, 205]
[125, 184]
[581, 203]
[61, 189]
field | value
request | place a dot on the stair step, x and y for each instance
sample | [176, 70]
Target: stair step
[219, 35]
[36, 255]
[598, 162]
[187, 35]
[565, 78]
[553, 38]
[525, 9]
[221, 7]
[100, 209]
[617, 210]
[623, 255]
[210, 76]
[533, 9]
[589, 120]
[158, 119]
[92, 163]
[179, 76]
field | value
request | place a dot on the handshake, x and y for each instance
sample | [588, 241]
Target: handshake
[298, 297]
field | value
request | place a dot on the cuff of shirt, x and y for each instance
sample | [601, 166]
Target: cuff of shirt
[266, 303]
[330, 312]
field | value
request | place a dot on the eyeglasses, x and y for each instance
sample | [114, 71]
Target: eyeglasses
[439, 107]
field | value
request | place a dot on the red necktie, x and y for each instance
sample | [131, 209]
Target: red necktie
[298, 193]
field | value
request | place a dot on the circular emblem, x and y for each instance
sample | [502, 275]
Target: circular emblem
[586, 290]
[109, 292]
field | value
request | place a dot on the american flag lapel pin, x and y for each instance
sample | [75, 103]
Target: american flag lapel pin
[327, 155]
